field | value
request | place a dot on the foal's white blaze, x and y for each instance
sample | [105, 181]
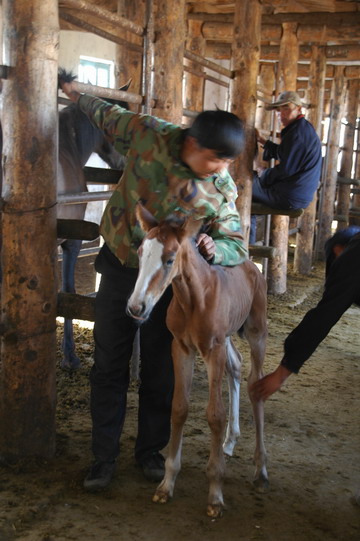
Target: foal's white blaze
[151, 262]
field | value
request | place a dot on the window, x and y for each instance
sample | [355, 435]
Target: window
[96, 71]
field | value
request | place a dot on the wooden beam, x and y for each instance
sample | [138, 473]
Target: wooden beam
[318, 18]
[349, 52]
[77, 229]
[73, 306]
[81, 23]
[314, 33]
[92, 9]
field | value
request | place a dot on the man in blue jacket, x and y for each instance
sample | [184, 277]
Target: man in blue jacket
[291, 184]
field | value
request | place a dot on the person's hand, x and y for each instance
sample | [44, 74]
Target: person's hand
[266, 386]
[260, 139]
[206, 246]
[71, 93]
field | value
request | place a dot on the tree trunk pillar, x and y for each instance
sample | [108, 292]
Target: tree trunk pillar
[287, 73]
[194, 78]
[245, 63]
[29, 252]
[169, 27]
[352, 99]
[303, 258]
[129, 63]
[327, 200]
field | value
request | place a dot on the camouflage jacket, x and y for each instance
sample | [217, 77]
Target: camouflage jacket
[155, 175]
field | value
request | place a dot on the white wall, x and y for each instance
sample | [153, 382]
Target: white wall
[73, 44]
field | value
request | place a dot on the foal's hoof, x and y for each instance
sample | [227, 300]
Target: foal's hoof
[70, 363]
[161, 497]
[215, 510]
[261, 484]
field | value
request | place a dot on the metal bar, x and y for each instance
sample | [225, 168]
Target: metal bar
[84, 197]
[148, 57]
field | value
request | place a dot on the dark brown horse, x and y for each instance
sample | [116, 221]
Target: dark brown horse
[78, 139]
[209, 304]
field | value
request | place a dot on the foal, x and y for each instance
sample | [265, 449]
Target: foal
[210, 303]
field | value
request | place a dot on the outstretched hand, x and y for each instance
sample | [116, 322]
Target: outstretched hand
[266, 386]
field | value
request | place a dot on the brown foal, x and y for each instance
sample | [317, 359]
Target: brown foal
[209, 304]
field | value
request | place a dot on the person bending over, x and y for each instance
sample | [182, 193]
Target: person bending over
[169, 170]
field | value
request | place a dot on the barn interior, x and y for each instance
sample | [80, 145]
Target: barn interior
[182, 57]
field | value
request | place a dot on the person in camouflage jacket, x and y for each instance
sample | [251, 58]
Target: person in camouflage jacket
[170, 170]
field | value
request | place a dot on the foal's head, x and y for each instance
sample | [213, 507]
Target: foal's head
[158, 259]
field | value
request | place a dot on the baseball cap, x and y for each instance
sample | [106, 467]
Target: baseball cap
[285, 98]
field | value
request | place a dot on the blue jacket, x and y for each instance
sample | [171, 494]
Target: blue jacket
[297, 175]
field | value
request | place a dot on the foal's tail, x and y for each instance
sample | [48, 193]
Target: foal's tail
[233, 359]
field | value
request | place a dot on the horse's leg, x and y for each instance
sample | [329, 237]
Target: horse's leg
[233, 366]
[216, 417]
[71, 249]
[183, 373]
[256, 334]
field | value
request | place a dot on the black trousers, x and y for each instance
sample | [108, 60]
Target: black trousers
[114, 333]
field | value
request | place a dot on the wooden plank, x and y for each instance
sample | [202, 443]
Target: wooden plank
[96, 175]
[74, 306]
[258, 208]
[262, 251]
[77, 229]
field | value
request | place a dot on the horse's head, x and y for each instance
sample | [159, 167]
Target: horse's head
[158, 259]
[87, 137]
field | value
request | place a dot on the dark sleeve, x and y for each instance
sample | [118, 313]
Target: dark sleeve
[291, 153]
[270, 151]
[342, 288]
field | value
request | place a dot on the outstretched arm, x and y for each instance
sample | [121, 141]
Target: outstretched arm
[266, 386]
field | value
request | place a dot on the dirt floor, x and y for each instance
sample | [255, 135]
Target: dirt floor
[312, 436]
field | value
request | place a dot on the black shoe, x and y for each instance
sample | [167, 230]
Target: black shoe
[99, 476]
[153, 467]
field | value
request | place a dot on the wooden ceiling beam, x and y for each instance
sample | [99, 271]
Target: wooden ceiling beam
[315, 33]
[328, 19]
[338, 53]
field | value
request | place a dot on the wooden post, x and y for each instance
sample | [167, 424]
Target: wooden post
[287, 73]
[29, 254]
[194, 80]
[264, 118]
[352, 99]
[129, 63]
[303, 257]
[168, 59]
[327, 201]
[245, 63]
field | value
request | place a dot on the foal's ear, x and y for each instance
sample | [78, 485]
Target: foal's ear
[145, 218]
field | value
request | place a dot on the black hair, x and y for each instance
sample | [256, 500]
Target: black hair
[220, 131]
[342, 237]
